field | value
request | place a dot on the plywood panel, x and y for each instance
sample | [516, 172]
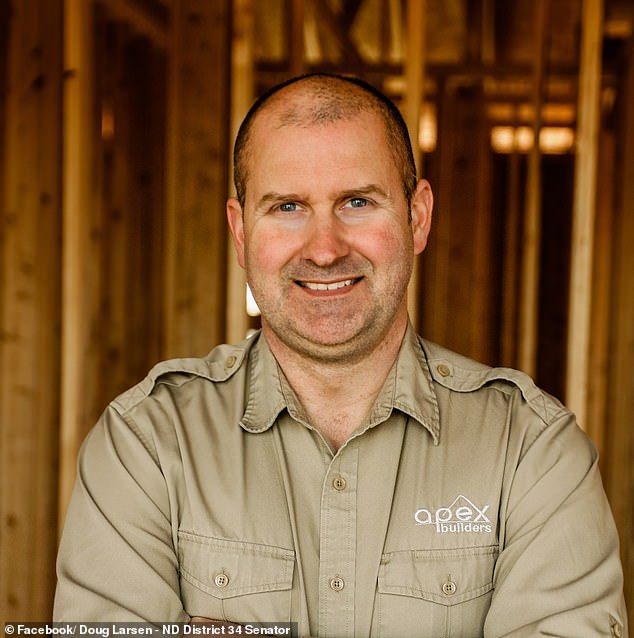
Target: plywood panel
[30, 312]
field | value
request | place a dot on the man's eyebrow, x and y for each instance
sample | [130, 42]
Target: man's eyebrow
[369, 189]
[273, 196]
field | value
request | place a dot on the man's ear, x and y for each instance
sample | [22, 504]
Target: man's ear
[236, 225]
[421, 207]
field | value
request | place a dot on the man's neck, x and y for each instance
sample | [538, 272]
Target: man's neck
[337, 397]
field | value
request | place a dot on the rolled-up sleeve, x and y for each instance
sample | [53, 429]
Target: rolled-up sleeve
[117, 559]
[559, 572]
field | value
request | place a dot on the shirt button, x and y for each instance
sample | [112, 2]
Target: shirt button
[221, 580]
[615, 627]
[337, 584]
[231, 361]
[339, 483]
[449, 588]
[443, 370]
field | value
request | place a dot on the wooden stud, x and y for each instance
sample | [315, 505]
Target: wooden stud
[242, 95]
[511, 264]
[78, 158]
[436, 261]
[599, 347]
[618, 469]
[143, 22]
[30, 311]
[197, 178]
[414, 96]
[483, 342]
[297, 64]
[527, 348]
[584, 207]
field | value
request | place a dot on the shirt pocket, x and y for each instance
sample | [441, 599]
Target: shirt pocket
[235, 580]
[440, 593]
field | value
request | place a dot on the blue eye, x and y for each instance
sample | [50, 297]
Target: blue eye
[289, 207]
[356, 202]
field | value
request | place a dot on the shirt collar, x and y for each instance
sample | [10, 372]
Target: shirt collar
[409, 388]
[413, 390]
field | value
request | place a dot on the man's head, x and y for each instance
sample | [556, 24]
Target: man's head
[329, 218]
[329, 98]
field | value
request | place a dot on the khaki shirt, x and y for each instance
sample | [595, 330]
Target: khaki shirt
[469, 504]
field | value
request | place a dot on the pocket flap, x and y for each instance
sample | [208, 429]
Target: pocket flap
[227, 568]
[447, 577]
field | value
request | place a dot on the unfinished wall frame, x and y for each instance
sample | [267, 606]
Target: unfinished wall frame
[117, 120]
[30, 310]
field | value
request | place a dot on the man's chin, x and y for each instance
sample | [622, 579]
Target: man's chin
[343, 348]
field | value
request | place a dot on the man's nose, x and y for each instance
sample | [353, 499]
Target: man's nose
[326, 240]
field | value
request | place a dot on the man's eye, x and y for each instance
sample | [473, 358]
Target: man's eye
[356, 202]
[289, 207]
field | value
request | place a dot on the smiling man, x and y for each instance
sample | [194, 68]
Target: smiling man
[336, 470]
[327, 228]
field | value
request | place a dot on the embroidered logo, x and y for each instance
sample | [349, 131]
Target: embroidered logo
[462, 516]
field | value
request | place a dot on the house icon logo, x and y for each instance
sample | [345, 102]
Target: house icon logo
[461, 516]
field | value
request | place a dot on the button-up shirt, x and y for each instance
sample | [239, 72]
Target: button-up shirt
[468, 504]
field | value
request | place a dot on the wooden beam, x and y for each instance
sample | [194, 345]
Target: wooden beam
[487, 51]
[78, 162]
[145, 23]
[30, 310]
[483, 341]
[618, 468]
[413, 99]
[242, 95]
[529, 300]
[349, 54]
[197, 177]
[436, 260]
[511, 264]
[584, 209]
[297, 65]
[599, 348]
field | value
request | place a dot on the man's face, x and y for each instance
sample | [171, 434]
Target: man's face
[325, 237]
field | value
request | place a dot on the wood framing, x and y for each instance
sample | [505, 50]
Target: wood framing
[30, 311]
[584, 210]
[531, 240]
[78, 201]
[117, 119]
[618, 468]
[413, 100]
[197, 178]
[242, 96]
[143, 22]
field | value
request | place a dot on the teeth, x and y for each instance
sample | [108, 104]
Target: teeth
[334, 286]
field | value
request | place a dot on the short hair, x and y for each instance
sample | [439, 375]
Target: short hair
[336, 97]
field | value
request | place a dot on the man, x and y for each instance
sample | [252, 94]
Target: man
[335, 470]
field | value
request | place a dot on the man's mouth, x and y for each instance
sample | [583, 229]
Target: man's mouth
[335, 285]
